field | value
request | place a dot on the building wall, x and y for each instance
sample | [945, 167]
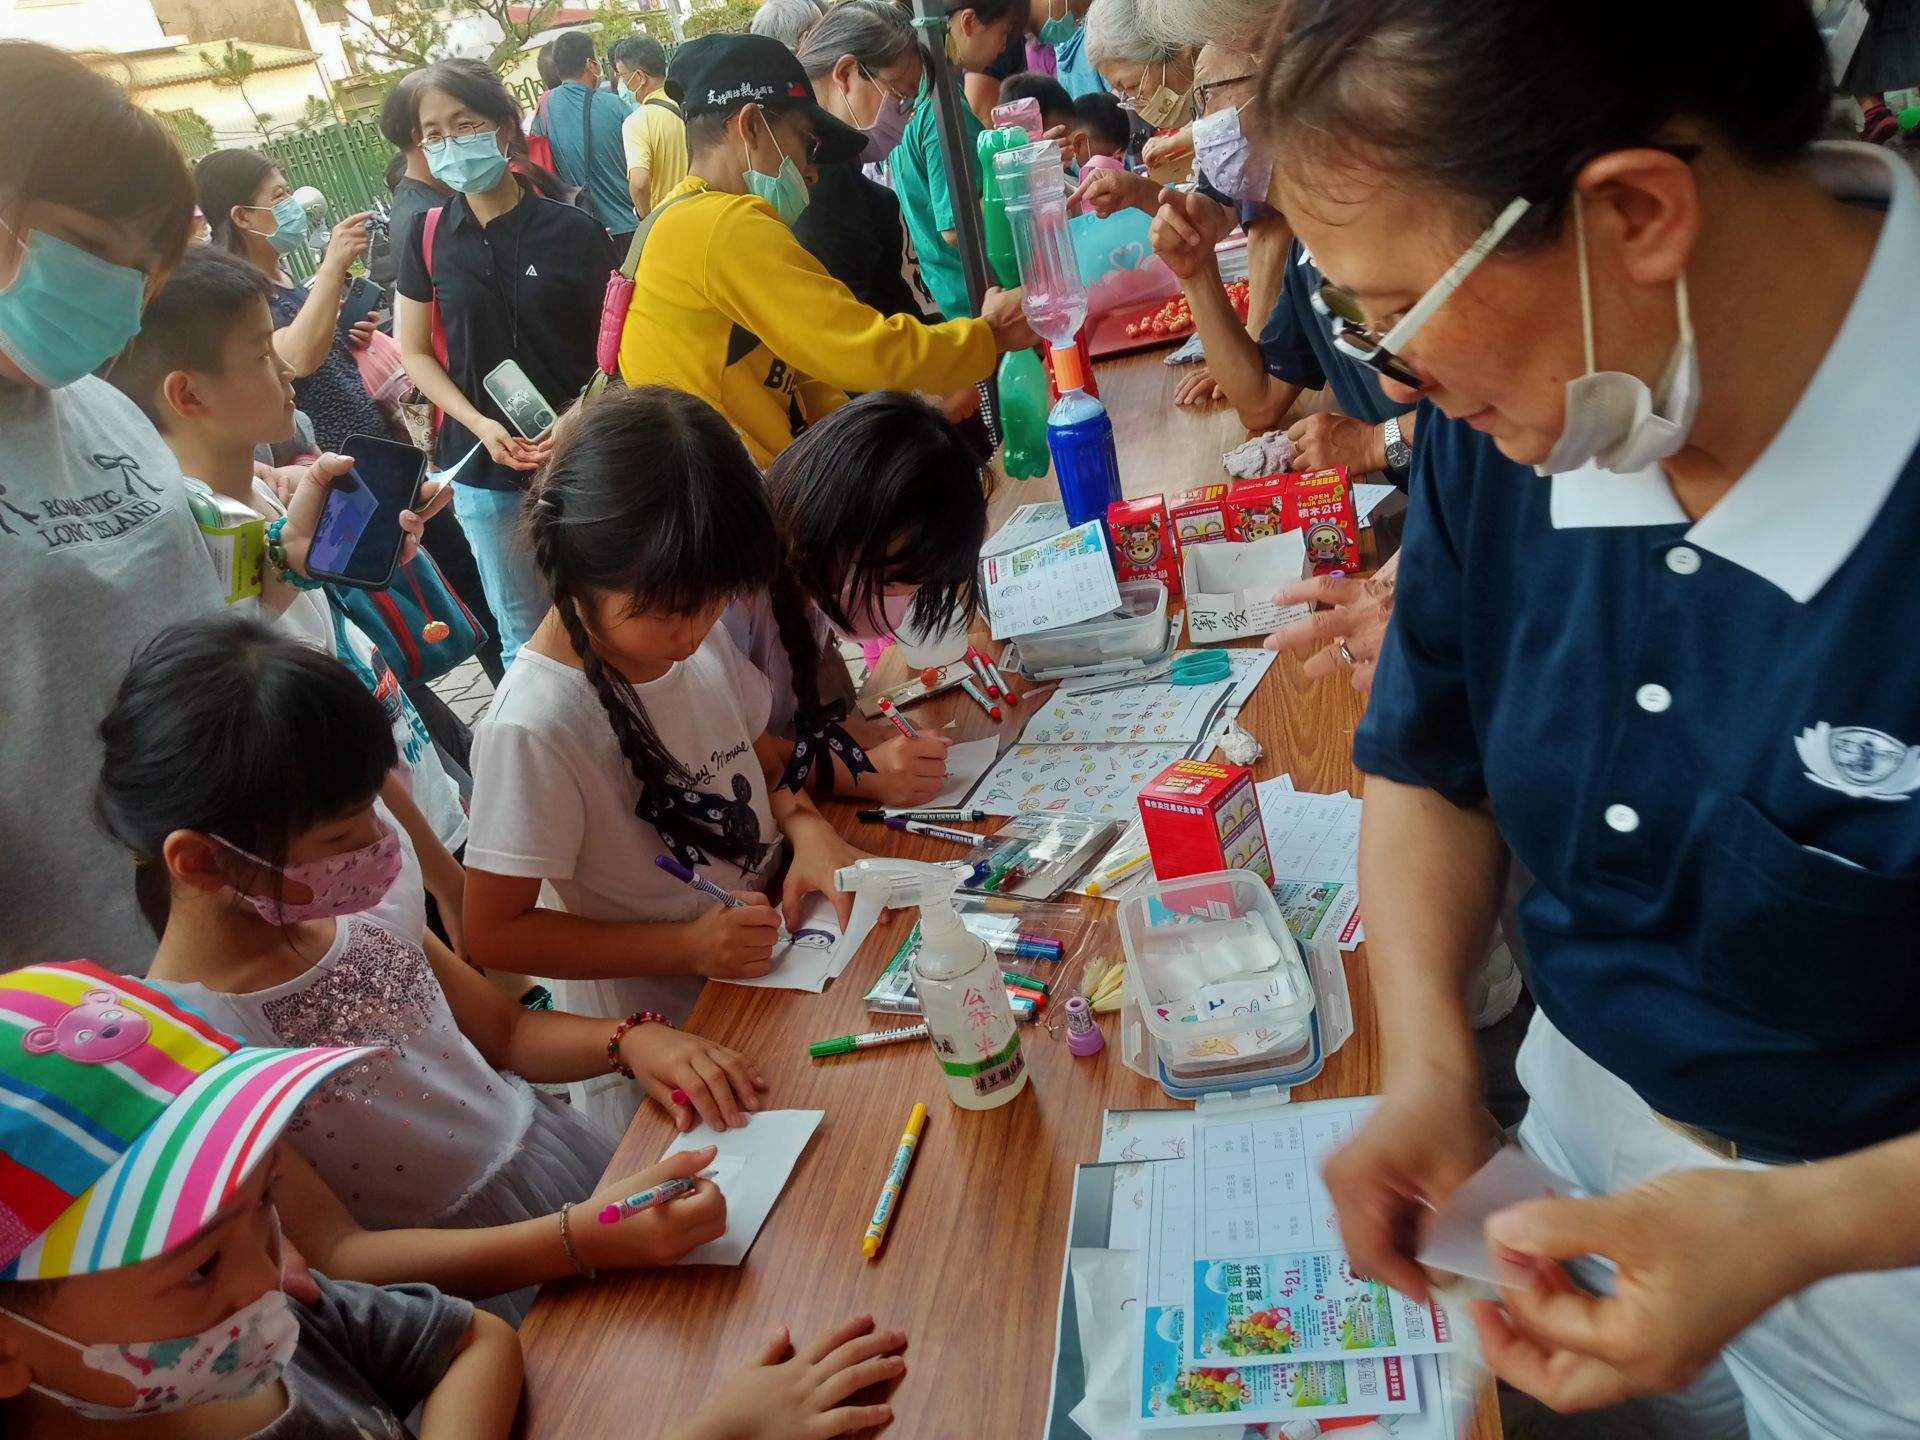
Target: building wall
[276, 22]
[118, 26]
[282, 94]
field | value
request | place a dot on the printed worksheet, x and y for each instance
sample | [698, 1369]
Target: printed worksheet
[1314, 841]
[1059, 581]
[1120, 714]
[1026, 525]
[1099, 781]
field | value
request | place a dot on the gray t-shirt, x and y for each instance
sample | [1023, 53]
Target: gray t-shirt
[368, 1354]
[98, 553]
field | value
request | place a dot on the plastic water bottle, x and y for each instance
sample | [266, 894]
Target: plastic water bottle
[1080, 437]
[1033, 188]
[1023, 415]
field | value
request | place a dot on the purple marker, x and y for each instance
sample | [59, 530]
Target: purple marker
[699, 882]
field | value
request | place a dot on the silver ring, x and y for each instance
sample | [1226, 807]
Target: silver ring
[1346, 655]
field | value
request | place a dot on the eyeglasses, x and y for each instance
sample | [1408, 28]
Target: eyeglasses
[1355, 336]
[1203, 94]
[464, 131]
[907, 103]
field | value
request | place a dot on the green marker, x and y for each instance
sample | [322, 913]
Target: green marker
[1027, 982]
[847, 1044]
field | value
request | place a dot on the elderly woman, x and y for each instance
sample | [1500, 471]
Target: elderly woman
[1662, 678]
[1153, 79]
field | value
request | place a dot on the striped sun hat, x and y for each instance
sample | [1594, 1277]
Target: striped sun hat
[126, 1120]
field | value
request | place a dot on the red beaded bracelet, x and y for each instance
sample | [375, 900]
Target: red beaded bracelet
[639, 1017]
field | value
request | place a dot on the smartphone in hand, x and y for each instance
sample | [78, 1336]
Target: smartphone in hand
[357, 541]
[360, 301]
[522, 406]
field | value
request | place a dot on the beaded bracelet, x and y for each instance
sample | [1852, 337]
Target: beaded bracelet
[277, 557]
[566, 1244]
[639, 1017]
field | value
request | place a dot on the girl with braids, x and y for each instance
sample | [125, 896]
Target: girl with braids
[884, 510]
[631, 728]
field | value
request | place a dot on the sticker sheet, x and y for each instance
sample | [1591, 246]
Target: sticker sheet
[1061, 581]
[1151, 714]
[1097, 781]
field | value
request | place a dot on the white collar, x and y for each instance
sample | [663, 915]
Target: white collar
[1804, 506]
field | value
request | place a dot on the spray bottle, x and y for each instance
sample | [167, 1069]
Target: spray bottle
[956, 976]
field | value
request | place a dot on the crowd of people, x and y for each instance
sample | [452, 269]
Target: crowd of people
[1634, 348]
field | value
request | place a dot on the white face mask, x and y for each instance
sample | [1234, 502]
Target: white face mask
[227, 1361]
[1614, 420]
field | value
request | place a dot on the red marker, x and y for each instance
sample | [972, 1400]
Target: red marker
[900, 722]
[973, 691]
[993, 673]
[979, 663]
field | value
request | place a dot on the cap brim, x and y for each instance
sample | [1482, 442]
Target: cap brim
[839, 141]
[171, 1181]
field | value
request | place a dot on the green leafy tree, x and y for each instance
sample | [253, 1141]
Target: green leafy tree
[731, 17]
[230, 69]
[413, 33]
[192, 129]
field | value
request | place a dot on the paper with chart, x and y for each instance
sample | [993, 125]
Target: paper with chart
[1098, 781]
[804, 960]
[1028, 524]
[1152, 714]
[751, 1170]
[1314, 842]
[1059, 581]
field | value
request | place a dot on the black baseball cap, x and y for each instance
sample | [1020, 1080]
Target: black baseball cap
[719, 73]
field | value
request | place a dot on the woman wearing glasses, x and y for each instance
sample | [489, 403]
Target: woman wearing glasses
[1153, 78]
[1670, 679]
[502, 274]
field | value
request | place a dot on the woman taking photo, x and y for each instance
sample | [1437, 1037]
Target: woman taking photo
[1669, 679]
[251, 208]
[501, 275]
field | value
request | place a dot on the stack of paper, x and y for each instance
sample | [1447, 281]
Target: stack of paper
[1059, 581]
[1314, 841]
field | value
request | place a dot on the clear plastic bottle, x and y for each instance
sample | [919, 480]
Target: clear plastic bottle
[956, 976]
[1033, 187]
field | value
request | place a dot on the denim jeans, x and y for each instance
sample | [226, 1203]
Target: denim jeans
[515, 591]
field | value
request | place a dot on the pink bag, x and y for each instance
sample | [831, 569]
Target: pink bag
[613, 321]
[387, 382]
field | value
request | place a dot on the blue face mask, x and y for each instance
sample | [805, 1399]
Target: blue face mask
[1059, 29]
[469, 163]
[67, 312]
[290, 224]
[786, 191]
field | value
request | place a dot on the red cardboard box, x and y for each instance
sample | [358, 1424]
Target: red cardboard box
[1320, 506]
[1199, 515]
[1257, 508]
[1143, 542]
[1201, 817]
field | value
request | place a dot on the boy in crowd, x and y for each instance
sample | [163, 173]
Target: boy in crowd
[728, 305]
[1057, 115]
[141, 1264]
[1100, 129]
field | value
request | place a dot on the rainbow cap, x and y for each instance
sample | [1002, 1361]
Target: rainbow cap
[126, 1120]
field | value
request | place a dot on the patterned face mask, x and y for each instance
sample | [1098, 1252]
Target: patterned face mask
[341, 884]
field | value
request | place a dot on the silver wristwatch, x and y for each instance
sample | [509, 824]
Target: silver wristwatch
[1399, 452]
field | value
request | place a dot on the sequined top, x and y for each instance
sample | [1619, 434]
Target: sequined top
[406, 1137]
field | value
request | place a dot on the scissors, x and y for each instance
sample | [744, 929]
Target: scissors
[1194, 667]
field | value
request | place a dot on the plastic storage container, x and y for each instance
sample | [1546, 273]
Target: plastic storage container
[1137, 631]
[1218, 984]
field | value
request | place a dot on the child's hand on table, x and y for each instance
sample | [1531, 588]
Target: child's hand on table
[736, 942]
[911, 769]
[658, 1236]
[786, 1395]
[721, 1086]
[818, 851]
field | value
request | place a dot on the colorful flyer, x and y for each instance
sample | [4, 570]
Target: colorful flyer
[1174, 1387]
[1265, 1309]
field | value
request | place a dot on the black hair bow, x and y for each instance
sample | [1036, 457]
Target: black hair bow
[825, 742]
[687, 818]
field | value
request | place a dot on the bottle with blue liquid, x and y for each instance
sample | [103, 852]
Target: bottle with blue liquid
[1032, 185]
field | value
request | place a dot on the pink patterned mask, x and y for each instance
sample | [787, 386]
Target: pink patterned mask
[341, 884]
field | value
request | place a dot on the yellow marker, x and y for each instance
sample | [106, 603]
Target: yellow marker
[896, 1182]
[1094, 887]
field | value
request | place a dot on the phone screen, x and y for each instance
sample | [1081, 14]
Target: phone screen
[357, 541]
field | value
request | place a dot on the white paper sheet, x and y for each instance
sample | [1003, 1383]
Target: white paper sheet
[1026, 525]
[765, 1150]
[1231, 585]
[1365, 497]
[804, 960]
[1314, 842]
[1060, 581]
[967, 761]
[1095, 781]
[1457, 1239]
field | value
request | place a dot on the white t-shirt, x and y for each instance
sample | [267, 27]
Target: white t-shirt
[97, 556]
[408, 1136]
[553, 799]
[312, 620]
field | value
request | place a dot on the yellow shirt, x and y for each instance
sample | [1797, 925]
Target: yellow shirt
[729, 306]
[655, 138]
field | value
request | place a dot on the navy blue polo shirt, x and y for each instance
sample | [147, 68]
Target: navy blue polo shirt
[1298, 348]
[1701, 738]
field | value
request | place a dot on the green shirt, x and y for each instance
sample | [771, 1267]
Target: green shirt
[920, 180]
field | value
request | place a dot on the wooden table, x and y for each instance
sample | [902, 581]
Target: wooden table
[971, 1269]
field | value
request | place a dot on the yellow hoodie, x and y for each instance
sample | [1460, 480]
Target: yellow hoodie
[729, 306]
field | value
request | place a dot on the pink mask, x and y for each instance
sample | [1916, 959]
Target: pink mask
[893, 609]
[341, 884]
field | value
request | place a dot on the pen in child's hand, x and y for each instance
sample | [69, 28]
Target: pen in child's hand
[653, 1195]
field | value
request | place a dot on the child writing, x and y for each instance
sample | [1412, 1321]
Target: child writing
[141, 1281]
[884, 509]
[240, 771]
[204, 369]
[630, 727]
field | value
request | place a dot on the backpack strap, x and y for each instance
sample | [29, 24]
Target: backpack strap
[631, 265]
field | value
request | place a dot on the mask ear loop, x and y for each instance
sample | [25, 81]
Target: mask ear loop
[1586, 280]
